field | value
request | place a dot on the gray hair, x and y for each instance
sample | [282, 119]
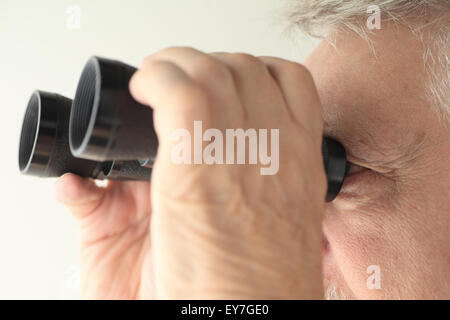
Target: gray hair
[318, 17]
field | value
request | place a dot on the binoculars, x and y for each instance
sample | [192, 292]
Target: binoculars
[105, 134]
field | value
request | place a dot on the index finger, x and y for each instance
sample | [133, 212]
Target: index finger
[300, 93]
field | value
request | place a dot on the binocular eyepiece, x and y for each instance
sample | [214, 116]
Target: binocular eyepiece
[105, 134]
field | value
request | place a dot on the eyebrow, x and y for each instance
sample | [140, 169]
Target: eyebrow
[367, 150]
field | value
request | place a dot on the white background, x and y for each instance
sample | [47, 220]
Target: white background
[38, 247]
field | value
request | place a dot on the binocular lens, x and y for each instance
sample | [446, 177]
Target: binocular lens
[29, 134]
[44, 149]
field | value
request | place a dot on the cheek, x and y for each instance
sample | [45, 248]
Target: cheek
[364, 251]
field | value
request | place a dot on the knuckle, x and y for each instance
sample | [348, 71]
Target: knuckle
[147, 60]
[296, 70]
[151, 64]
[174, 48]
[190, 100]
[245, 58]
[247, 62]
[188, 95]
[206, 68]
[163, 52]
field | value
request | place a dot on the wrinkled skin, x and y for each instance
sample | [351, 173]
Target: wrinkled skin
[394, 211]
[251, 236]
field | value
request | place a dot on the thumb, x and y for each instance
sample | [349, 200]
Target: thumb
[82, 196]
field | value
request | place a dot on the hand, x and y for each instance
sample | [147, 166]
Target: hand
[226, 231]
[114, 225]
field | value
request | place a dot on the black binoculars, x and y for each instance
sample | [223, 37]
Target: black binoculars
[105, 134]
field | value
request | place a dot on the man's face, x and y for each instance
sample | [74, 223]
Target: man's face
[394, 209]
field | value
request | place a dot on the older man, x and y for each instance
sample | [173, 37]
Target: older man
[225, 231]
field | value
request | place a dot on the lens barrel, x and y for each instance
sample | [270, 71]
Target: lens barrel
[106, 123]
[44, 149]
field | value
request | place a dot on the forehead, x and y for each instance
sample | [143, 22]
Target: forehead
[374, 93]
